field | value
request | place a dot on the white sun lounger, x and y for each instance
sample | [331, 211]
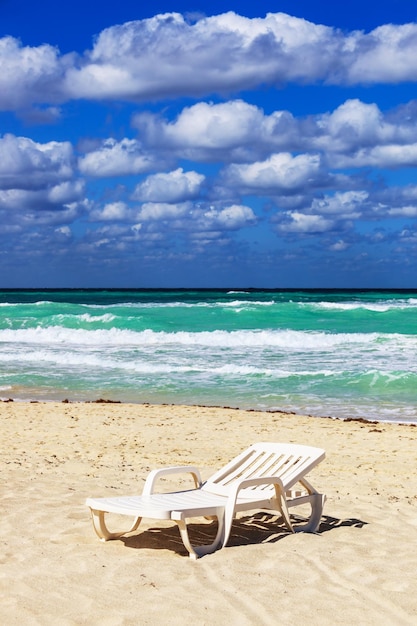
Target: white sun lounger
[263, 477]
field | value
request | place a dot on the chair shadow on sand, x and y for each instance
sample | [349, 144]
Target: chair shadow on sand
[249, 530]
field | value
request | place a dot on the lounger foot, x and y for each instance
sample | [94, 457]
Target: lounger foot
[316, 501]
[103, 533]
[195, 552]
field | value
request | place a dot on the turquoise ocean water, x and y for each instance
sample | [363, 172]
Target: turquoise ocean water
[324, 353]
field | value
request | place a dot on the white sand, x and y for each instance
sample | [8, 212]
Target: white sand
[361, 568]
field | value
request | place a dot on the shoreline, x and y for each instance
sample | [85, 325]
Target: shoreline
[364, 420]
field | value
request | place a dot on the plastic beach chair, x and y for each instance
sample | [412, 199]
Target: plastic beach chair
[263, 477]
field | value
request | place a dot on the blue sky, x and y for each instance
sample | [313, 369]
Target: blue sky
[267, 144]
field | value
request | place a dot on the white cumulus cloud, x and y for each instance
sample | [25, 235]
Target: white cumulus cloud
[339, 246]
[348, 204]
[176, 186]
[297, 222]
[25, 163]
[233, 130]
[281, 171]
[116, 158]
[384, 55]
[157, 211]
[166, 56]
[231, 217]
[30, 75]
[113, 211]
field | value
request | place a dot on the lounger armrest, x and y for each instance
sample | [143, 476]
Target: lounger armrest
[154, 475]
[255, 482]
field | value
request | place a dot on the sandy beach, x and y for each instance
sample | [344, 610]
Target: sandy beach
[361, 567]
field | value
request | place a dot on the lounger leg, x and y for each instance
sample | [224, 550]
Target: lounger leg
[317, 501]
[283, 508]
[196, 552]
[103, 532]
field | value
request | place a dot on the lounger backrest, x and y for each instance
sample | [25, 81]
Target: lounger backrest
[286, 461]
